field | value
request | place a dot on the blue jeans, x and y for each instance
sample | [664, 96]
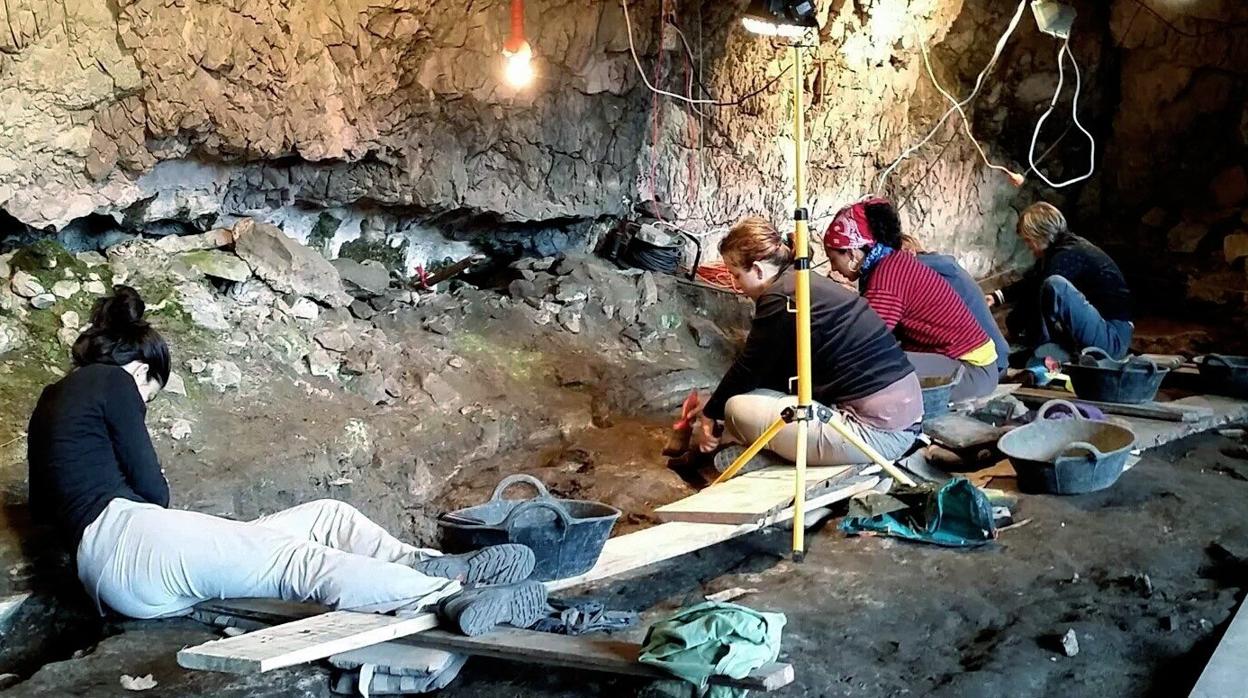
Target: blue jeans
[1071, 322]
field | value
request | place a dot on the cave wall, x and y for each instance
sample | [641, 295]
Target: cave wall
[391, 114]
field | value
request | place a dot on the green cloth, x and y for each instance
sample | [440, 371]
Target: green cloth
[957, 514]
[713, 639]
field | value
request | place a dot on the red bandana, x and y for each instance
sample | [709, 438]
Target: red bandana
[849, 230]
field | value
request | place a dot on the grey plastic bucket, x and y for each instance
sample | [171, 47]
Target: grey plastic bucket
[1130, 381]
[1067, 456]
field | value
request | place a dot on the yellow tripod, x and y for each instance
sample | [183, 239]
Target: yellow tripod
[803, 412]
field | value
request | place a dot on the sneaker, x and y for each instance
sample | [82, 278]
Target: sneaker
[478, 611]
[498, 564]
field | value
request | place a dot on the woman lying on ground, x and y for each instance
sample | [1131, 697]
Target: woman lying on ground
[95, 476]
[858, 370]
[939, 334]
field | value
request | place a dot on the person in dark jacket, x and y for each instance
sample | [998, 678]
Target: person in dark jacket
[858, 369]
[1074, 297]
[95, 477]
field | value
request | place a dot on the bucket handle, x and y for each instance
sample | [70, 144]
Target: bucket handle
[1092, 452]
[519, 477]
[1210, 358]
[1043, 412]
[564, 520]
[1096, 353]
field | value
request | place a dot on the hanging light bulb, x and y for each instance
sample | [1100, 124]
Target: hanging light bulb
[517, 54]
[787, 18]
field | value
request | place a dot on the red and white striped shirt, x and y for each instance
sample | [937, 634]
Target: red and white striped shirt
[922, 309]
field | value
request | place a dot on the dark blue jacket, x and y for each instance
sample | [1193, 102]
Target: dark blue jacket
[969, 291]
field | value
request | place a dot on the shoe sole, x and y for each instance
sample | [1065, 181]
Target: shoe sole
[495, 565]
[521, 608]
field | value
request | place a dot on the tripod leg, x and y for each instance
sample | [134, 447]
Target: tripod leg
[874, 455]
[759, 444]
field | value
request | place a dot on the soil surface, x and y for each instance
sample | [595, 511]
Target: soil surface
[1147, 574]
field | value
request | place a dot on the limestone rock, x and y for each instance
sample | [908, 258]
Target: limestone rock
[571, 291]
[1235, 246]
[213, 239]
[438, 389]
[1230, 187]
[176, 385]
[1186, 236]
[339, 340]
[11, 335]
[5, 269]
[66, 289]
[372, 387]
[570, 319]
[25, 285]
[196, 366]
[217, 264]
[224, 375]
[1070, 643]
[305, 309]
[203, 307]
[91, 258]
[362, 310]
[363, 280]
[322, 363]
[70, 320]
[180, 429]
[288, 266]
[648, 289]
[43, 301]
[95, 288]
[522, 289]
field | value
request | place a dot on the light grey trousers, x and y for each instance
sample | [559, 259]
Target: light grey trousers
[148, 562]
[970, 381]
[747, 417]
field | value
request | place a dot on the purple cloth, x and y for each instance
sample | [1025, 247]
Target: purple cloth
[1063, 412]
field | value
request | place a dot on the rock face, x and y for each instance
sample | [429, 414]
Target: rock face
[288, 266]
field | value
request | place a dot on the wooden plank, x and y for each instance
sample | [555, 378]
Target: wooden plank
[586, 653]
[1226, 673]
[748, 497]
[301, 641]
[1164, 411]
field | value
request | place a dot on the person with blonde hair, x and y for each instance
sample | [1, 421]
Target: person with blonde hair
[1074, 296]
[859, 372]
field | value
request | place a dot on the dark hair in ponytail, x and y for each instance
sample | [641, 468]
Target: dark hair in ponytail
[884, 223]
[118, 335]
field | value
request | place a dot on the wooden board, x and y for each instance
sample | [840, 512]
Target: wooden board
[587, 653]
[747, 497]
[1164, 411]
[301, 641]
[1226, 673]
[958, 431]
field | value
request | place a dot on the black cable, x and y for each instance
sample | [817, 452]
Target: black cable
[1222, 26]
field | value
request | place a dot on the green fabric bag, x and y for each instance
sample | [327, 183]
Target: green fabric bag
[956, 515]
[713, 639]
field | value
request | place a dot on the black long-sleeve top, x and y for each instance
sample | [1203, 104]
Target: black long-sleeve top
[87, 445]
[853, 354]
[1085, 266]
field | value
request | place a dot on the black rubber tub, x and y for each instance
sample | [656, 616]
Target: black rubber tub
[566, 535]
[1129, 381]
[1225, 375]
[1067, 456]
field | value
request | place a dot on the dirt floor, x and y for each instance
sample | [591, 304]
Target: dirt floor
[1147, 574]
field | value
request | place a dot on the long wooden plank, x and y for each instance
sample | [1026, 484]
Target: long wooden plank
[663, 542]
[584, 652]
[748, 497]
[1168, 412]
[1226, 674]
[301, 641]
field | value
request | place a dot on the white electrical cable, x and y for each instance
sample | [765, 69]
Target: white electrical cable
[1062, 53]
[628, 22]
[966, 122]
[979, 83]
